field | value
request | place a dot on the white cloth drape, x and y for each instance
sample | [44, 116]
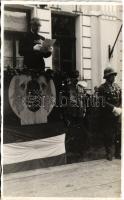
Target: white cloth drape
[41, 148]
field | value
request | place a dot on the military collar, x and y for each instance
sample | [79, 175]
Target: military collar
[110, 85]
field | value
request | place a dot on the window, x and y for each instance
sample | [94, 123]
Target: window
[16, 23]
[64, 55]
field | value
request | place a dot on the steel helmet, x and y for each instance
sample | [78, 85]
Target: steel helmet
[109, 71]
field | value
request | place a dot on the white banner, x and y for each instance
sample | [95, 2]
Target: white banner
[25, 151]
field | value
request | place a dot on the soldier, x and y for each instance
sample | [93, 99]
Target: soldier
[31, 47]
[76, 141]
[110, 114]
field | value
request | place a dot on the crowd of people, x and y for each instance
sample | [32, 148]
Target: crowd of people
[76, 103]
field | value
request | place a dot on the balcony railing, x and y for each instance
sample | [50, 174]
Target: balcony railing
[8, 62]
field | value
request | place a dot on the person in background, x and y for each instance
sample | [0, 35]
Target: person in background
[110, 114]
[76, 141]
[31, 47]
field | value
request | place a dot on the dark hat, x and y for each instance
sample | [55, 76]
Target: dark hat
[109, 71]
[35, 21]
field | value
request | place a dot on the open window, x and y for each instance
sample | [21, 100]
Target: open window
[16, 23]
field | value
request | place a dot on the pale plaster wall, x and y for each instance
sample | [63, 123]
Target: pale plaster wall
[108, 33]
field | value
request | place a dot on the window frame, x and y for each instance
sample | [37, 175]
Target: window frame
[16, 34]
[62, 37]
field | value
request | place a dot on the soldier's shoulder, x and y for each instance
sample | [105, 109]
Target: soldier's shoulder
[117, 86]
[102, 86]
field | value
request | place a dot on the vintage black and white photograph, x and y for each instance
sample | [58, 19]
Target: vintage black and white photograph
[61, 100]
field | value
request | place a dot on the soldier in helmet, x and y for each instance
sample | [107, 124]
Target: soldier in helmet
[30, 47]
[110, 114]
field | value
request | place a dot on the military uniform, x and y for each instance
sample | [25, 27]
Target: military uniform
[110, 124]
[77, 135]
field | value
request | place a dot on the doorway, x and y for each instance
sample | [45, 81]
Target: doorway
[64, 55]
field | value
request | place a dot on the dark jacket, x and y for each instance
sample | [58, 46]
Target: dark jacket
[32, 59]
[112, 98]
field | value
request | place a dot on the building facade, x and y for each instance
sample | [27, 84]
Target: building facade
[83, 36]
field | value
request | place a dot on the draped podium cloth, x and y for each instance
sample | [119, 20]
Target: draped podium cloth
[39, 153]
[31, 141]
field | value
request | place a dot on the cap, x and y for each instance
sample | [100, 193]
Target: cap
[82, 84]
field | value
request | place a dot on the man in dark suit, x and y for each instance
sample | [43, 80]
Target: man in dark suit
[110, 114]
[31, 47]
